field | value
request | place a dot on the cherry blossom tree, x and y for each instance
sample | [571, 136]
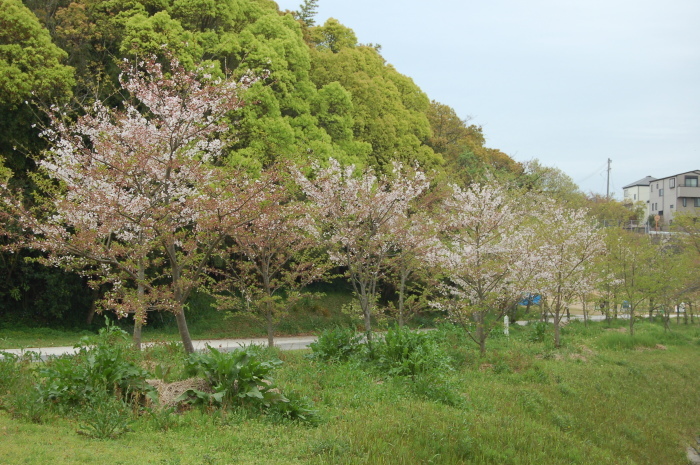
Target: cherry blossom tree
[360, 214]
[272, 259]
[569, 248]
[133, 195]
[417, 236]
[488, 256]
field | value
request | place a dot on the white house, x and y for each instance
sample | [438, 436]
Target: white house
[639, 192]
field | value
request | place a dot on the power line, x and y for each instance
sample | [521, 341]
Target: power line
[597, 171]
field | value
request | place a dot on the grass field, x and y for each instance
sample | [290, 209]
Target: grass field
[204, 321]
[603, 398]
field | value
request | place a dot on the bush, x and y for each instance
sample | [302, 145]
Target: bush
[9, 370]
[538, 331]
[409, 353]
[101, 366]
[337, 344]
[297, 409]
[237, 377]
[241, 378]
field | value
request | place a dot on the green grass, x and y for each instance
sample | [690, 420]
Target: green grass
[594, 400]
[310, 316]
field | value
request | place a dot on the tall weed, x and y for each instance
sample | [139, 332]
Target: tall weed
[102, 365]
[337, 344]
[404, 352]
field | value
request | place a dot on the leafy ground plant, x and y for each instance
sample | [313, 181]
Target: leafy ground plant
[337, 344]
[106, 417]
[243, 379]
[404, 352]
[101, 366]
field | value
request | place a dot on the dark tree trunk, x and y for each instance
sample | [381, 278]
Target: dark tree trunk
[183, 330]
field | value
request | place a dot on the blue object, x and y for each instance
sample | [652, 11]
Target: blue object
[532, 299]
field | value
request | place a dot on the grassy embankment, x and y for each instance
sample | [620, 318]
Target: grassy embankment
[204, 321]
[603, 398]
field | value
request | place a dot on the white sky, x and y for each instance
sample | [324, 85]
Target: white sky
[569, 82]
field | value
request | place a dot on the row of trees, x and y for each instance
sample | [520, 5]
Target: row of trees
[141, 201]
[320, 95]
[150, 197]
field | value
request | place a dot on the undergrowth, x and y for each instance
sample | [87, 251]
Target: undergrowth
[421, 397]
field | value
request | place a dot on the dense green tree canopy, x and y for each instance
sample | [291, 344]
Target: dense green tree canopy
[462, 145]
[389, 109]
[30, 69]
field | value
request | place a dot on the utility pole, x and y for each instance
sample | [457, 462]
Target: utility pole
[607, 192]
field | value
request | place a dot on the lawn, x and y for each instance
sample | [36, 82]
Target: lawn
[602, 398]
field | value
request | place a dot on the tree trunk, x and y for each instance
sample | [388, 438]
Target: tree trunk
[93, 306]
[270, 328]
[557, 330]
[137, 318]
[183, 330]
[402, 290]
[692, 313]
[480, 332]
[631, 320]
[137, 334]
[368, 320]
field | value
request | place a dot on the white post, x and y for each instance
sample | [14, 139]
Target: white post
[505, 325]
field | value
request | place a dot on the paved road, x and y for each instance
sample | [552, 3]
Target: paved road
[225, 345]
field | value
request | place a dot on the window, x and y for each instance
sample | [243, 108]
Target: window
[670, 207]
[691, 181]
[627, 194]
[672, 183]
[661, 192]
[697, 201]
[635, 196]
[685, 202]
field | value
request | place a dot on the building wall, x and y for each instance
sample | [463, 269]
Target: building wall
[636, 194]
[666, 195]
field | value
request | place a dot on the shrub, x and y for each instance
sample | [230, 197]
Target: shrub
[101, 366]
[9, 370]
[298, 409]
[337, 344]
[538, 331]
[241, 378]
[408, 353]
[237, 377]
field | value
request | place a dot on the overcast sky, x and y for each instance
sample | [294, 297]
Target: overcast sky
[569, 82]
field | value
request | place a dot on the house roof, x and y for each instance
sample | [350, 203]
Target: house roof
[642, 182]
[679, 174]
